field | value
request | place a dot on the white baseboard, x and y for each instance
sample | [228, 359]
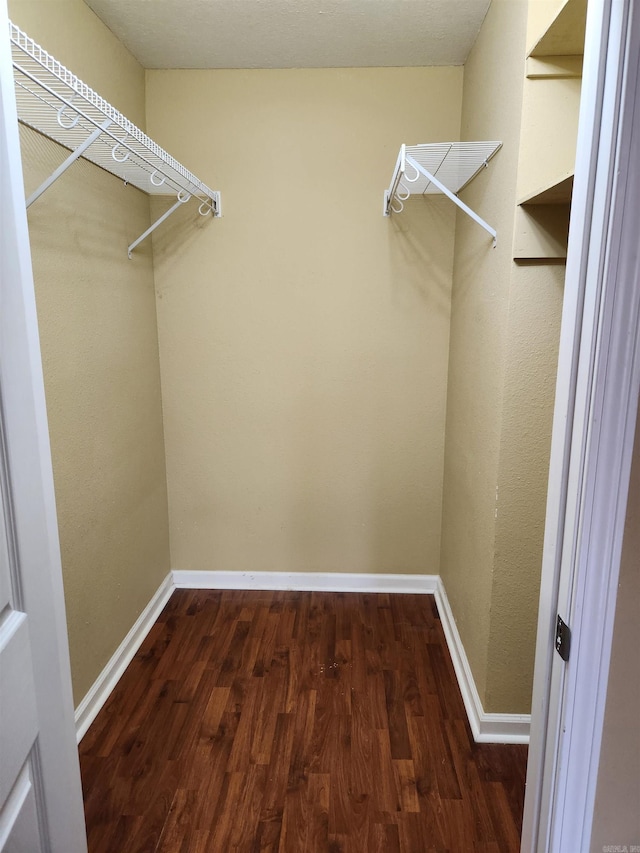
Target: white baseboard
[486, 728]
[307, 581]
[88, 709]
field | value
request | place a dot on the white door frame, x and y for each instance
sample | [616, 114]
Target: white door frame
[33, 510]
[593, 436]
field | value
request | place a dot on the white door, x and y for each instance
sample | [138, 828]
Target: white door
[18, 715]
[40, 794]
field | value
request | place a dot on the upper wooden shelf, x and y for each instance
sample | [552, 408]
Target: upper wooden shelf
[565, 34]
[558, 192]
[542, 222]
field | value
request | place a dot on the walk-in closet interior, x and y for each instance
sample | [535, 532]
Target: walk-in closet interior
[280, 378]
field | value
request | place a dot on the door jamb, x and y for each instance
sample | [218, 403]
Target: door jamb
[592, 443]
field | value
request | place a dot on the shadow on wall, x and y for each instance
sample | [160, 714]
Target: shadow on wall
[419, 260]
[178, 235]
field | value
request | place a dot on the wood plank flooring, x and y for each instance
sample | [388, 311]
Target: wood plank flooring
[295, 723]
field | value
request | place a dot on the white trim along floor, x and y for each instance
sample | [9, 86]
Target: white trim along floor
[486, 728]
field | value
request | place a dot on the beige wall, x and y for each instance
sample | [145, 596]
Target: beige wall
[502, 366]
[533, 333]
[303, 336]
[97, 318]
[616, 819]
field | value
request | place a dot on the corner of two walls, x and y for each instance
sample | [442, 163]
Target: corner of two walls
[502, 369]
[98, 333]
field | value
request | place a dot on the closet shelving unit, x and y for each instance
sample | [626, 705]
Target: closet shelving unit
[55, 103]
[542, 217]
[439, 168]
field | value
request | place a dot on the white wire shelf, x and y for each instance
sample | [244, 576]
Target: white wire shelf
[438, 168]
[57, 104]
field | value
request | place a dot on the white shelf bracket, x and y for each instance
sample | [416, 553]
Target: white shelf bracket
[62, 168]
[454, 198]
[210, 205]
[182, 199]
[455, 164]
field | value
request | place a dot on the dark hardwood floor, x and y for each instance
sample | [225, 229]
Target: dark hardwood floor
[295, 722]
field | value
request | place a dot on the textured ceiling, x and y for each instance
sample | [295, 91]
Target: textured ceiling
[294, 33]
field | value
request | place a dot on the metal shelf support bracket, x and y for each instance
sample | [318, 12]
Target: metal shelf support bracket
[454, 198]
[62, 168]
[152, 228]
[212, 205]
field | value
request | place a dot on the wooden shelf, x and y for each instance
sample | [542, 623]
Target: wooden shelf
[542, 222]
[554, 67]
[541, 232]
[558, 192]
[565, 35]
